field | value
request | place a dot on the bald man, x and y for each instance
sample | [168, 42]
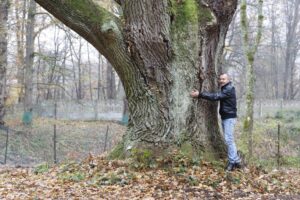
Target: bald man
[227, 98]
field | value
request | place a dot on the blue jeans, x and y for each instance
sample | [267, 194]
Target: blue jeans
[228, 130]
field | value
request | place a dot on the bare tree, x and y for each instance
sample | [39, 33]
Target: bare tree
[292, 21]
[4, 5]
[90, 73]
[20, 14]
[29, 60]
[77, 77]
[100, 88]
[274, 60]
[250, 52]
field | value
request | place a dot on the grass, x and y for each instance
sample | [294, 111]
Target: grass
[265, 140]
[75, 140]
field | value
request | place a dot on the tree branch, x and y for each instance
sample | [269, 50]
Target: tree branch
[42, 28]
[221, 8]
[99, 27]
[89, 20]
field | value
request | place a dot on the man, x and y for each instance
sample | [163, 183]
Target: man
[227, 98]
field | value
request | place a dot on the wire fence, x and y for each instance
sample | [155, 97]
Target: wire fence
[276, 138]
[69, 141]
[76, 110]
[268, 108]
[56, 140]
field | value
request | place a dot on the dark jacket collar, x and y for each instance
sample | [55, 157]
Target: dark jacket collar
[229, 83]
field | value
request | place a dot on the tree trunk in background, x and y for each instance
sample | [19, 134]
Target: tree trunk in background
[295, 47]
[250, 52]
[20, 12]
[292, 91]
[89, 72]
[38, 72]
[110, 82]
[80, 94]
[29, 58]
[53, 67]
[64, 71]
[4, 5]
[274, 63]
[161, 51]
[77, 71]
[292, 12]
[100, 64]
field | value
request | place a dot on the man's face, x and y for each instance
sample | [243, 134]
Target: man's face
[223, 80]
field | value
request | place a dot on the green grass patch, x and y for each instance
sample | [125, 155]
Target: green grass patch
[75, 177]
[42, 168]
[265, 140]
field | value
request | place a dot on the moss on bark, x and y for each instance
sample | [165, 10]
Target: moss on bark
[185, 12]
[189, 12]
[91, 14]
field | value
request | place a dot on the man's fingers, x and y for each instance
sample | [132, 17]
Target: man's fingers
[194, 93]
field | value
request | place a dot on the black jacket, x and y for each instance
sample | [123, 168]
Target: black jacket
[227, 100]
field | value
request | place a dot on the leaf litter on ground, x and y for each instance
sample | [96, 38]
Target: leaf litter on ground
[100, 178]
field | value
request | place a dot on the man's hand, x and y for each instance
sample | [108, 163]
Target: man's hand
[194, 93]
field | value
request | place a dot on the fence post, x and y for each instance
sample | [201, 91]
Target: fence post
[54, 133]
[278, 145]
[106, 136]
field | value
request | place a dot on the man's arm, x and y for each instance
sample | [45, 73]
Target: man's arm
[215, 96]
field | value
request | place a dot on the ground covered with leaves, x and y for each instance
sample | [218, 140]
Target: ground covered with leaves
[101, 178]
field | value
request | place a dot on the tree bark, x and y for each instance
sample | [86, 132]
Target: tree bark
[4, 5]
[29, 60]
[161, 50]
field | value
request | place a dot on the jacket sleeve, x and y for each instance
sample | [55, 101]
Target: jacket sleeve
[216, 96]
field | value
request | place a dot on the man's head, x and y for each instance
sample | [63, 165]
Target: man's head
[224, 79]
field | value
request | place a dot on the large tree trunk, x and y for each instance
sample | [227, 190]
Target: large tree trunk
[162, 51]
[3, 56]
